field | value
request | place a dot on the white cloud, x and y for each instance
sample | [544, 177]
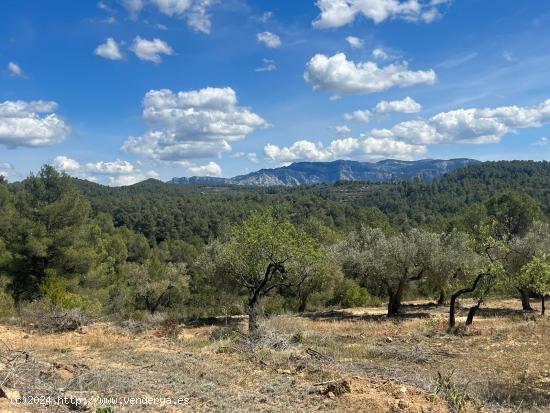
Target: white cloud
[210, 169]
[338, 13]
[198, 18]
[195, 12]
[133, 6]
[509, 57]
[359, 116]
[251, 156]
[342, 130]
[268, 66]
[476, 126]
[125, 180]
[31, 124]
[66, 164]
[192, 124]
[380, 54]
[118, 167]
[266, 16]
[354, 42]
[109, 50]
[150, 50]
[362, 148]
[15, 70]
[541, 142]
[407, 105]
[343, 77]
[269, 39]
[172, 7]
[6, 169]
[114, 173]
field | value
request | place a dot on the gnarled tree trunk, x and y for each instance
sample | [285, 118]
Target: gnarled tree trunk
[542, 304]
[456, 295]
[303, 303]
[525, 304]
[394, 303]
[252, 320]
[472, 313]
[442, 298]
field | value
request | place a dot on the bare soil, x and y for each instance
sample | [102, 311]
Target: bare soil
[353, 360]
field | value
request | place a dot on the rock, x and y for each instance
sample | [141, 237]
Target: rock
[331, 395]
[389, 339]
[402, 405]
[9, 394]
[337, 388]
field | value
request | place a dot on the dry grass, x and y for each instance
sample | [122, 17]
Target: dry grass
[299, 364]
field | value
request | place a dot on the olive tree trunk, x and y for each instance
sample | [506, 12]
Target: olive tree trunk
[525, 304]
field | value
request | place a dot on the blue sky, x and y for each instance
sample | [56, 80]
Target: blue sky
[117, 91]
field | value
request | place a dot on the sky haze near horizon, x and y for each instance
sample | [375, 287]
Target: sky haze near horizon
[118, 91]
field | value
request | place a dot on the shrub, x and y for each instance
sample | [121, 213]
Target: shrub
[348, 293]
[47, 318]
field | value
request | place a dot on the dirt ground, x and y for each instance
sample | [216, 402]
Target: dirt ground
[341, 361]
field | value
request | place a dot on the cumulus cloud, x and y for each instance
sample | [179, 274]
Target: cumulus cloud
[362, 148]
[210, 169]
[407, 105]
[118, 167]
[133, 6]
[265, 16]
[338, 13]
[408, 140]
[474, 125]
[354, 42]
[114, 173]
[192, 124]
[15, 70]
[269, 39]
[63, 163]
[6, 169]
[251, 156]
[109, 50]
[342, 129]
[198, 17]
[341, 76]
[359, 116]
[268, 66]
[195, 12]
[380, 54]
[150, 50]
[31, 124]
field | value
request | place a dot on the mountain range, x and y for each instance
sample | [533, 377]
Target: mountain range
[308, 173]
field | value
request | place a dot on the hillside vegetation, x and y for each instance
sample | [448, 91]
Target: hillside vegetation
[273, 268]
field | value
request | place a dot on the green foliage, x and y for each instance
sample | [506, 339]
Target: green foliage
[535, 275]
[348, 293]
[152, 286]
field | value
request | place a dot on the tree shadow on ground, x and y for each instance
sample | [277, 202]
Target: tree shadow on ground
[229, 321]
[339, 315]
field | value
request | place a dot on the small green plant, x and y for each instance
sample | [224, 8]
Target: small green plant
[104, 410]
[452, 393]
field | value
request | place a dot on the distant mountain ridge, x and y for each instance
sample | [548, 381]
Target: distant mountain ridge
[309, 173]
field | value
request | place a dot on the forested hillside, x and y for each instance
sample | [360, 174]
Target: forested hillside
[196, 213]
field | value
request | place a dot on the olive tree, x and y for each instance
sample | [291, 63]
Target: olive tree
[535, 242]
[389, 263]
[479, 279]
[154, 285]
[258, 256]
[535, 275]
[511, 215]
